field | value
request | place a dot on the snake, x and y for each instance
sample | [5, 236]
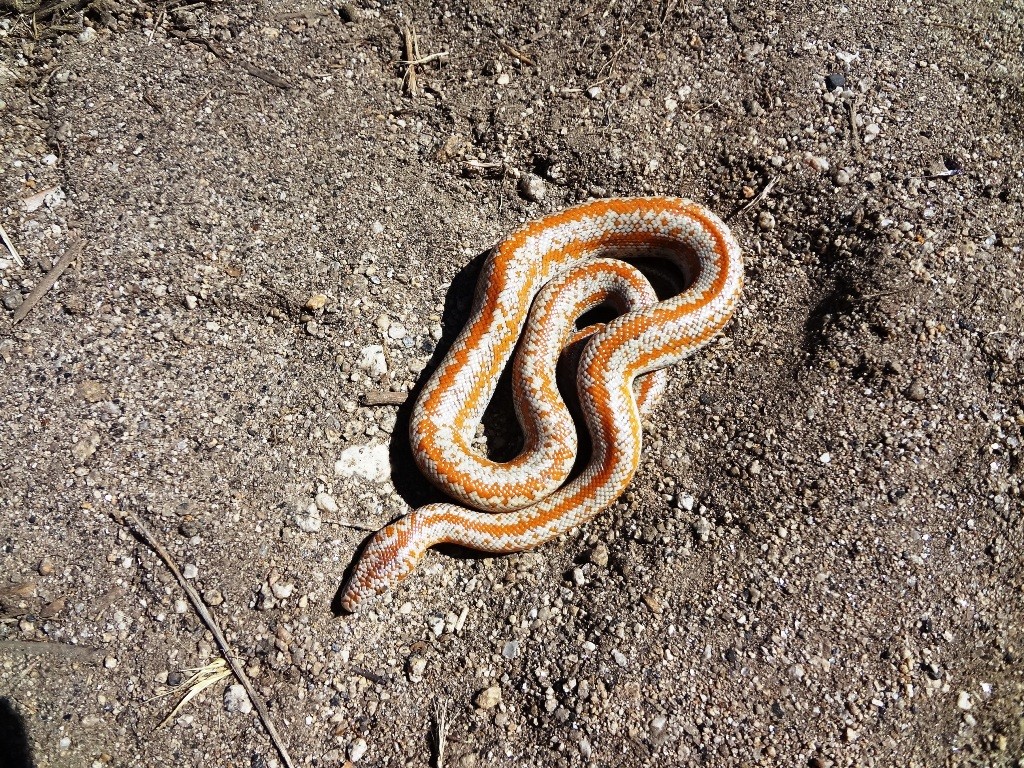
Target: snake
[534, 289]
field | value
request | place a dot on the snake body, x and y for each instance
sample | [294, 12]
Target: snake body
[533, 288]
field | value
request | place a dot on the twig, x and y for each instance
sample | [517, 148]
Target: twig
[60, 649]
[10, 247]
[383, 398]
[266, 75]
[760, 195]
[412, 53]
[714, 103]
[425, 59]
[441, 733]
[73, 252]
[136, 525]
[522, 57]
[854, 133]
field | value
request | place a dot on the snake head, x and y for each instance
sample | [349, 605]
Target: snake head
[392, 554]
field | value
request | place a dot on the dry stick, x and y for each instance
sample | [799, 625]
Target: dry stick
[411, 54]
[441, 720]
[384, 398]
[522, 57]
[60, 649]
[852, 106]
[10, 247]
[73, 252]
[266, 75]
[761, 195]
[261, 708]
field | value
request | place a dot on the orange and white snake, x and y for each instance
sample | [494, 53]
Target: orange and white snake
[533, 288]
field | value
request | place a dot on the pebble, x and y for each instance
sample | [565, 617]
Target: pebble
[916, 391]
[85, 447]
[372, 360]
[356, 750]
[282, 591]
[315, 302]
[594, 92]
[87, 35]
[825, 458]
[658, 724]
[45, 567]
[326, 503]
[835, 81]
[12, 299]
[620, 657]
[415, 668]
[871, 131]
[964, 701]
[842, 178]
[766, 221]
[191, 302]
[489, 698]
[817, 163]
[585, 749]
[532, 188]
[237, 700]
[190, 571]
[109, 662]
[370, 462]
[511, 649]
[598, 555]
[309, 520]
[503, 79]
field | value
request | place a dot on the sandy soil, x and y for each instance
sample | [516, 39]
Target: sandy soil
[819, 562]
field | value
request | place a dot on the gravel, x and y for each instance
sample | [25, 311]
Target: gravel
[818, 561]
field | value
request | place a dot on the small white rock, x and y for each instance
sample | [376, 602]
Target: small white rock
[190, 571]
[309, 520]
[369, 462]
[825, 458]
[417, 665]
[237, 700]
[532, 188]
[372, 360]
[356, 750]
[964, 701]
[326, 503]
[594, 92]
[282, 591]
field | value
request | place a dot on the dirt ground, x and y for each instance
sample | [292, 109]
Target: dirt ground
[819, 562]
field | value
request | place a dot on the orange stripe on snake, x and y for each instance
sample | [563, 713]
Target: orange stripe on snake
[533, 288]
